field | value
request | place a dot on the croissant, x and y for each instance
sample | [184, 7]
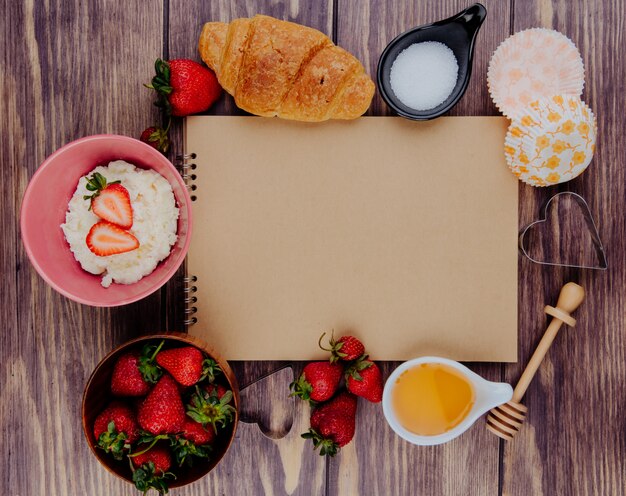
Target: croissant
[279, 68]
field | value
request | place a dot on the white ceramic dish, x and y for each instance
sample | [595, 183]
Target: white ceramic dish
[487, 395]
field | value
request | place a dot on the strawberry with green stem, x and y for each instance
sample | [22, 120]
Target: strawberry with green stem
[109, 200]
[364, 379]
[150, 469]
[318, 382]
[134, 372]
[346, 348]
[333, 424]
[184, 87]
[187, 365]
[195, 440]
[157, 137]
[116, 429]
[208, 408]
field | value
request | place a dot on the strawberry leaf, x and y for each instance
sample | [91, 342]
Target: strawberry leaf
[185, 451]
[150, 371]
[326, 446]
[96, 183]
[145, 479]
[360, 363]
[210, 370]
[206, 408]
[113, 442]
[335, 347]
[161, 84]
[302, 389]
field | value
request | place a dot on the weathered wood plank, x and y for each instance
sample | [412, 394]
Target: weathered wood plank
[71, 69]
[573, 441]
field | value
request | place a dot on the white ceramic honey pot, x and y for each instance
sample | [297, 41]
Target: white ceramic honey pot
[486, 396]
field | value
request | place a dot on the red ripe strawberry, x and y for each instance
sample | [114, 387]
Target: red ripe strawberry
[104, 239]
[134, 372]
[158, 454]
[346, 348]
[110, 201]
[184, 87]
[344, 403]
[365, 380]
[194, 441]
[162, 412]
[333, 424]
[216, 390]
[185, 364]
[156, 137]
[197, 433]
[115, 429]
[318, 382]
[152, 468]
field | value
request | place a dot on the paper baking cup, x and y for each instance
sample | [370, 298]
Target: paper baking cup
[552, 141]
[533, 64]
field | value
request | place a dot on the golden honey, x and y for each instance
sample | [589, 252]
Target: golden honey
[431, 398]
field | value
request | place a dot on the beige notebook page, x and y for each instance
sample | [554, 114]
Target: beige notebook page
[401, 233]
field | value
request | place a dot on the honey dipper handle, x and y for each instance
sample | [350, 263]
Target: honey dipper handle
[570, 297]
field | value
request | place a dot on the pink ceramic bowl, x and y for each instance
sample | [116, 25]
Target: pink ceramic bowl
[45, 204]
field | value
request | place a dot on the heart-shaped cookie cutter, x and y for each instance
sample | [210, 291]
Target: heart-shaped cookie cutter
[593, 230]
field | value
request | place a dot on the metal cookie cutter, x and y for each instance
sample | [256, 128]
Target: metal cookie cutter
[593, 230]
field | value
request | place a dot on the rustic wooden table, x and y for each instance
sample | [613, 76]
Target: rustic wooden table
[73, 68]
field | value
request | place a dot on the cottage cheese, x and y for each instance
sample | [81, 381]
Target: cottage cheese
[155, 218]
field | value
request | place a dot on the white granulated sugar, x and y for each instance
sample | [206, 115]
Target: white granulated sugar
[424, 74]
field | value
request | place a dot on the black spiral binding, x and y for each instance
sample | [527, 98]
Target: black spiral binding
[189, 288]
[186, 166]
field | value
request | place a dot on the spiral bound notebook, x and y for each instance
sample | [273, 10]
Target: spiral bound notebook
[401, 233]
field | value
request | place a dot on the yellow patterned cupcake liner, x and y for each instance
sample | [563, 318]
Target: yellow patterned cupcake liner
[552, 141]
[533, 64]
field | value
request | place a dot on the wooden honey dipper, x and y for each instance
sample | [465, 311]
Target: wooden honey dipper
[505, 420]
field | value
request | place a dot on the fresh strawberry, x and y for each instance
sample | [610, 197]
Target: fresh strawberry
[333, 424]
[104, 239]
[216, 390]
[364, 379]
[152, 467]
[162, 412]
[346, 348]
[344, 403]
[110, 201]
[156, 137]
[134, 372]
[206, 407]
[184, 87]
[115, 429]
[194, 441]
[185, 364]
[158, 454]
[197, 433]
[318, 381]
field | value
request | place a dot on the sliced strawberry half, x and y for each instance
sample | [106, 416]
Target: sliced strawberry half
[113, 205]
[110, 201]
[106, 239]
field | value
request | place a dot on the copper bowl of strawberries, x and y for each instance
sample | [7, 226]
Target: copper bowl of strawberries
[160, 411]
